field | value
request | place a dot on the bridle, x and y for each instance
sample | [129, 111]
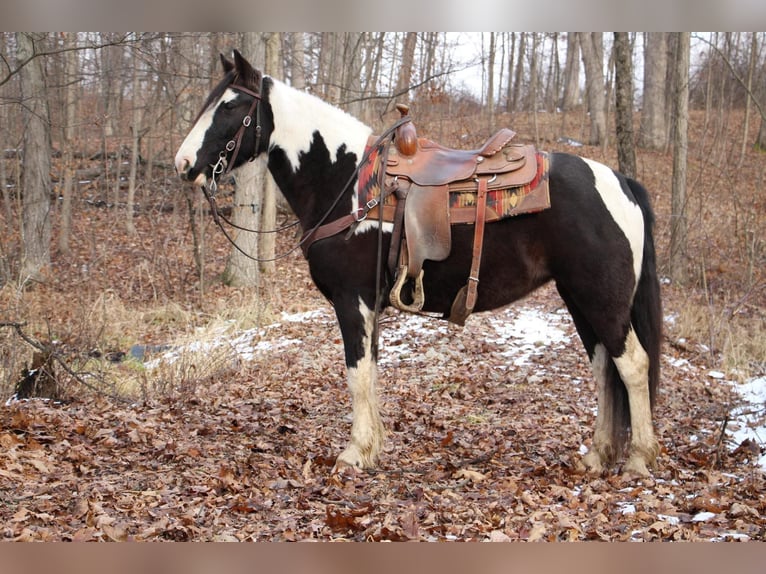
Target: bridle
[224, 166]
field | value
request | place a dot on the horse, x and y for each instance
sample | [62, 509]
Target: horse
[595, 243]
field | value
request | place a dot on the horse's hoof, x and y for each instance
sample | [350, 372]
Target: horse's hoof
[592, 462]
[635, 467]
[351, 458]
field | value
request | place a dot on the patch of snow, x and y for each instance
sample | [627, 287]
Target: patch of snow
[703, 516]
[627, 508]
[525, 331]
[301, 317]
[672, 520]
[716, 375]
[749, 419]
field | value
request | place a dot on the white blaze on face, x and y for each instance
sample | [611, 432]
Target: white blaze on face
[187, 153]
[626, 214]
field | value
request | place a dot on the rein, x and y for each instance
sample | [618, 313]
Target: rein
[224, 166]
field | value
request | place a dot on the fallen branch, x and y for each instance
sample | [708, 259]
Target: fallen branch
[53, 355]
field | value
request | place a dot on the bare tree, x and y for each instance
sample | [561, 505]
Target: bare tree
[519, 73]
[678, 227]
[247, 211]
[509, 91]
[491, 81]
[297, 63]
[67, 141]
[591, 46]
[135, 139]
[623, 79]
[654, 128]
[571, 95]
[405, 70]
[36, 224]
[267, 247]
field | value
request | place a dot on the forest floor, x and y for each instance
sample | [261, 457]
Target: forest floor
[235, 438]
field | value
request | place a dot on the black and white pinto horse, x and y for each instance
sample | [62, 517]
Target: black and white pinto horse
[595, 242]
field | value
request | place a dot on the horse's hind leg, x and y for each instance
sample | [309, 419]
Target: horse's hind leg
[633, 366]
[617, 360]
[356, 322]
[602, 450]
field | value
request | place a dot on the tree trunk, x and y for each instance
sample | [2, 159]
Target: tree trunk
[247, 211]
[533, 83]
[678, 227]
[134, 156]
[509, 91]
[267, 247]
[654, 129]
[67, 144]
[36, 224]
[623, 79]
[750, 74]
[405, 70]
[571, 95]
[353, 50]
[519, 72]
[491, 82]
[297, 70]
[591, 46]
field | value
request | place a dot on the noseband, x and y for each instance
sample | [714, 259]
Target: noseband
[224, 166]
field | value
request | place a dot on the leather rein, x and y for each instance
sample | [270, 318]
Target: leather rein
[321, 230]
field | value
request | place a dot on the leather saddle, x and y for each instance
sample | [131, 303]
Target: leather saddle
[427, 177]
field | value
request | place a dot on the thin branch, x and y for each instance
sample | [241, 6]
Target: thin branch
[736, 75]
[43, 53]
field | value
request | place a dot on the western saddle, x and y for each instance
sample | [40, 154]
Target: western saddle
[426, 177]
[424, 188]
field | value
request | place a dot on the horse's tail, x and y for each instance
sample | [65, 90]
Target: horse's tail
[646, 318]
[646, 313]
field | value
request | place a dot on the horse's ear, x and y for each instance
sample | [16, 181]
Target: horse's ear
[228, 65]
[250, 76]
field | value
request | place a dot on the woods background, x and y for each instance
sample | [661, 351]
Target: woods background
[92, 211]
[202, 397]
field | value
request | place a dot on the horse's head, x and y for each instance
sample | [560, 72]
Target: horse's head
[228, 130]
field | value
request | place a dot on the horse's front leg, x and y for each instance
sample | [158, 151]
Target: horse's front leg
[356, 321]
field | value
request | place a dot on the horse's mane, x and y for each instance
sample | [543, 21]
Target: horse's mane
[298, 116]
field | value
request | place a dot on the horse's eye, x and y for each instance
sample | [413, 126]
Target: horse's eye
[230, 105]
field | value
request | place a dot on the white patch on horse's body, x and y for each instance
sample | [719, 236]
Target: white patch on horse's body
[372, 225]
[298, 115]
[627, 214]
[367, 433]
[196, 137]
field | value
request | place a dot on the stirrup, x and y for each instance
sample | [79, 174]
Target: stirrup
[418, 299]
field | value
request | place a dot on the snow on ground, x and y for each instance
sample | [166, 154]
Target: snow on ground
[749, 419]
[523, 333]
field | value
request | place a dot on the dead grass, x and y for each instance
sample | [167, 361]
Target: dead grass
[726, 332]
